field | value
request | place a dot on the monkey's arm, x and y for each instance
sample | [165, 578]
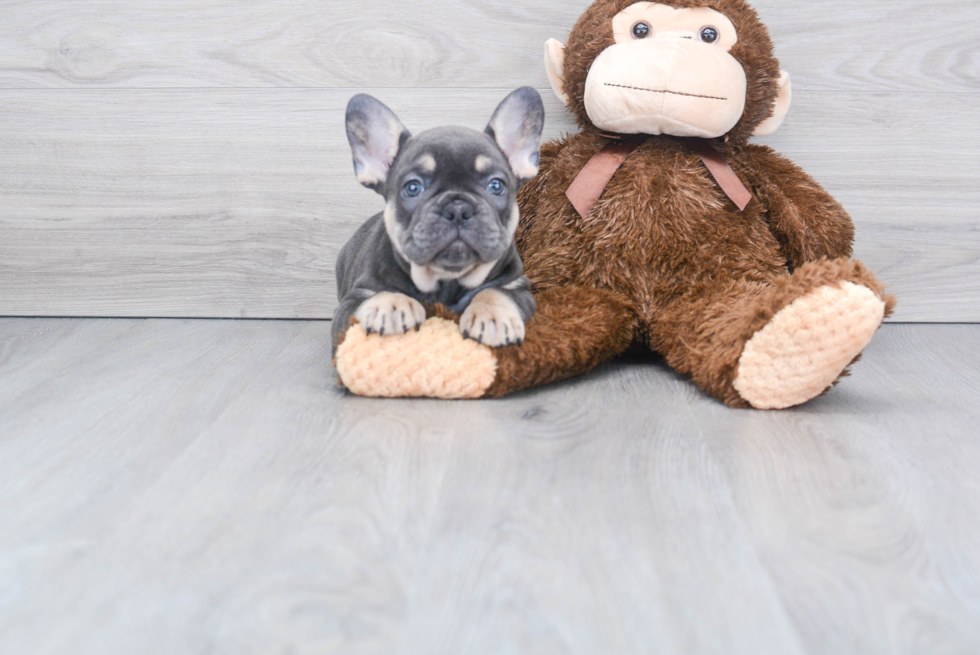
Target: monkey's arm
[806, 219]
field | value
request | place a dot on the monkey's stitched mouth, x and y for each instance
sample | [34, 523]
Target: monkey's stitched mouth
[676, 93]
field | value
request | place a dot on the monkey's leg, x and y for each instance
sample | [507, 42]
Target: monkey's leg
[574, 329]
[773, 345]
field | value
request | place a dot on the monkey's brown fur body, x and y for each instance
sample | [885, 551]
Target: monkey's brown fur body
[667, 259]
[664, 257]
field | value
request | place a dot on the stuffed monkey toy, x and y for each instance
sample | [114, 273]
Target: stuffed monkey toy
[659, 223]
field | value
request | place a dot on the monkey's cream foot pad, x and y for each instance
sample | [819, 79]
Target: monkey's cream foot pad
[435, 361]
[807, 345]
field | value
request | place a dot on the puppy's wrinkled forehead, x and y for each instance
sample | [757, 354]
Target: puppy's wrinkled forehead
[450, 152]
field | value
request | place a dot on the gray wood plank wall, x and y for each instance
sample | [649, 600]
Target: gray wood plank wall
[188, 158]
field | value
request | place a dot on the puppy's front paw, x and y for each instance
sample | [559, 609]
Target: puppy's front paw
[493, 319]
[390, 313]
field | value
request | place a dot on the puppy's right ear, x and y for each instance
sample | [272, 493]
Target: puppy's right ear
[376, 135]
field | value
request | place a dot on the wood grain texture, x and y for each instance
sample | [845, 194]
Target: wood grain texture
[833, 45]
[203, 486]
[288, 43]
[234, 203]
[188, 158]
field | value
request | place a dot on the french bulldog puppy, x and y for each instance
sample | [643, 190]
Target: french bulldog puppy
[447, 232]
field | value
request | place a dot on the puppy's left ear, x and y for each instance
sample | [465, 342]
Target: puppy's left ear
[516, 126]
[376, 135]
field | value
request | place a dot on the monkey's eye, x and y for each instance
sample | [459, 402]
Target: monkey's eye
[496, 186]
[413, 188]
[709, 34]
[641, 30]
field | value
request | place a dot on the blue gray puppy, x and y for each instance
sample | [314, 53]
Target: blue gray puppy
[447, 232]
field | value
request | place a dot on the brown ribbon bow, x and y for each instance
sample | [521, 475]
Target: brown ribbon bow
[591, 181]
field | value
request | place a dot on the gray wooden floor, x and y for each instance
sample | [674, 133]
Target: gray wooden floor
[178, 486]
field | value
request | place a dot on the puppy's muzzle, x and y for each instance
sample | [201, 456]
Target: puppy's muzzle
[454, 231]
[458, 211]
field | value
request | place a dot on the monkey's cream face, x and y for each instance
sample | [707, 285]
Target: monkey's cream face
[669, 72]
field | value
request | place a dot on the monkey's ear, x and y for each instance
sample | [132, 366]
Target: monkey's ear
[516, 126]
[554, 64]
[375, 136]
[780, 107]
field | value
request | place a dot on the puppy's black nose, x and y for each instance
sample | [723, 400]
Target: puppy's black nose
[458, 211]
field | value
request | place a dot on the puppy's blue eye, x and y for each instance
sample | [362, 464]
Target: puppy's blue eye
[413, 189]
[497, 186]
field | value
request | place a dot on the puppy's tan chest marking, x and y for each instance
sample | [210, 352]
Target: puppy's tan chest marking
[427, 278]
[478, 275]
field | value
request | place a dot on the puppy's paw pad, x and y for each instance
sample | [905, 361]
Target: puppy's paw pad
[493, 319]
[390, 313]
